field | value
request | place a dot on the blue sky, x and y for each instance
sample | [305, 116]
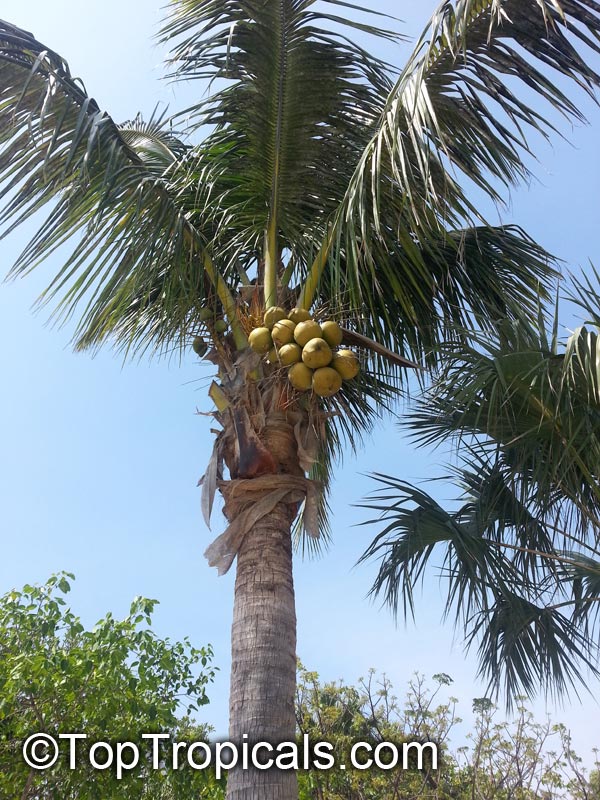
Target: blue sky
[101, 459]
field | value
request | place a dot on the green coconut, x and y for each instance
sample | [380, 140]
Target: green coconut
[316, 353]
[205, 314]
[221, 325]
[332, 333]
[326, 382]
[307, 330]
[199, 345]
[283, 332]
[300, 376]
[299, 315]
[290, 354]
[346, 363]
[260, 340]
[273, 315]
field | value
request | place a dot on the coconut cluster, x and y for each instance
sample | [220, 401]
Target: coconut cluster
[214, 324]
[308, 349]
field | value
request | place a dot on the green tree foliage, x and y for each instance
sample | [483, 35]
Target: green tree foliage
[119, 680]
[113, 683]
[518, 759]
[594, 787]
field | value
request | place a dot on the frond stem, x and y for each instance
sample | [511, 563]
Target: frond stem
[271, 237]
[226, 298]
[271, 261]
[566, 603]
[550, 556]
[352, 337]
[313, 278]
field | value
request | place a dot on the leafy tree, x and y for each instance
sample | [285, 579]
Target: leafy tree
[516, 759]
[113, 683]
[594, 786]
[328, 181]
[370, 712]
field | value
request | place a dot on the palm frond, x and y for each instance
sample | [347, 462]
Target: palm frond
[456, 105]
[137, 269]
[583, 571]
[540, 407]
[294, 105]
[584, 291]
[523, 602]
[534, 646]
[520, 554]
[460, 115]
[421, 292]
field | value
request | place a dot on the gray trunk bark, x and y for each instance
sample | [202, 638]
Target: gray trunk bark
[263, 671]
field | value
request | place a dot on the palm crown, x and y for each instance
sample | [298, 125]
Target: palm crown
[327, 180]
[316, 158]
[325, 175]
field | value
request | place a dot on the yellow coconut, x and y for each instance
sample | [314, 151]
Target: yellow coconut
[307, 330]
[346, 363]
[300, 376]
[299, 315]
[283, 332]
[332, 333]
[260, 340]
[326, 381]
[316, 353]
[290, 354]
[273, 315]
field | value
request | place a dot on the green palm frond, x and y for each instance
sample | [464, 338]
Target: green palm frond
[519, 600]
[315, 156]
[426, 292]
[138, 270]
[583, 570]
[154, 142]
[520, 554]
[333, 181]
[296, 103]
[584, 292]
[459, 115]
[541, 407]
[534, 646]
[457, 107]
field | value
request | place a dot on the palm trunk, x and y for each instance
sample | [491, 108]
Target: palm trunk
[263, 670]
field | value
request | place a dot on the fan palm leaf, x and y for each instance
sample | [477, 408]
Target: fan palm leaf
[524, 412]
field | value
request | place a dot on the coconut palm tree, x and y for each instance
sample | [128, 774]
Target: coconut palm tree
[312, 176]
[519, 555]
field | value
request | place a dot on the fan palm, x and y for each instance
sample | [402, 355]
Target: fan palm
[520, 554]
[328, 181]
